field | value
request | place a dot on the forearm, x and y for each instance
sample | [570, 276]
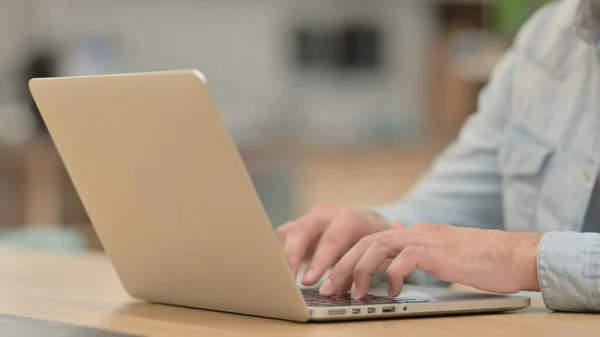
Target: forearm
[462, 212]
[569, 271]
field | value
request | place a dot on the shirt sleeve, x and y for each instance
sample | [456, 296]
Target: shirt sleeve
[569, 271]
[464, 185]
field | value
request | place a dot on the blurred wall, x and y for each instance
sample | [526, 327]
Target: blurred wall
[244, 48]
[13, 33]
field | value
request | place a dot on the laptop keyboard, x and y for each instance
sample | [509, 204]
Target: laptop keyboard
[314, 299]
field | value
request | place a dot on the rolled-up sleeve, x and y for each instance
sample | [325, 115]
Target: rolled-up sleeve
[569, 271]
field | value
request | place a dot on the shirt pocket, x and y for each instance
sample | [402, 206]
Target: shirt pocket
[523, 164]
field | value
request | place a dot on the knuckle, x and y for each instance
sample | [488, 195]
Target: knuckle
[288, 250]
[380, 241]
[291, 253]
[411, 252]
[321, 207]
[291, 256]
[306, 223]
[285, 227]
[427, 226]
[421, 226]
[391, 272]
[384, 239]
[359, 272]
[328, 239]
[347, 212]
[282, 230]
[366, 241]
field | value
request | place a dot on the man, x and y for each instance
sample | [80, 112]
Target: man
[527, 162]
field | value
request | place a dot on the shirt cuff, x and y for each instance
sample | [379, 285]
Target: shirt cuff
[569, 271]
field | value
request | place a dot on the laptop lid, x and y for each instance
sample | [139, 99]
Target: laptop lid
[167, 192]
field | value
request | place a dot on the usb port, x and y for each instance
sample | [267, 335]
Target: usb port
[387, 310]
[337, 312]
[355, 311]
[371, 310]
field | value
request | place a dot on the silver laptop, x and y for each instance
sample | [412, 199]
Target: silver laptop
[176, 211]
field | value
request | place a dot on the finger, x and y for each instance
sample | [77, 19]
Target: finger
[340, 235]
[371, 261]
[342, 273]
[299, 238]
[282, 231]
[295, 247]
[344, 289]
[409, 259]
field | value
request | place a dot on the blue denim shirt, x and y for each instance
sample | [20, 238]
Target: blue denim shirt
[529, 158]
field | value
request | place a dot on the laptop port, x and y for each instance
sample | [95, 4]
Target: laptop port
[337, 312]
[355, 311]
[371, 310]
[388, 310]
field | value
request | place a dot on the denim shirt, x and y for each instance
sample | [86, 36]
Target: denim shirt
[529, 158]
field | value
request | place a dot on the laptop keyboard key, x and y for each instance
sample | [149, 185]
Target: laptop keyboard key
[314, 299]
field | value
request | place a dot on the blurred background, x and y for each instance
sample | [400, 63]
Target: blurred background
[339, 101]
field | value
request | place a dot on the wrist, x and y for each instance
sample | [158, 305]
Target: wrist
[526, 253]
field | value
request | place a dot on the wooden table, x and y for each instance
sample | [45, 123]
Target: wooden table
[84, 290]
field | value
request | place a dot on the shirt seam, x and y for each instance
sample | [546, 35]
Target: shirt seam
[593, 253]
[542, 276]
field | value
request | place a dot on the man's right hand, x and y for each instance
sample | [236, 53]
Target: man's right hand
[323, 236]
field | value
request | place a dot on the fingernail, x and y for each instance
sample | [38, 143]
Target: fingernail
[308, 276]
[390, 290]
[353, 291]
[325, 289]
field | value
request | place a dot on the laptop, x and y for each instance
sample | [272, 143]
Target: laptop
[176, 211]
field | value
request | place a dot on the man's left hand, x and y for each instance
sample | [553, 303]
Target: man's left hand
[495, 261]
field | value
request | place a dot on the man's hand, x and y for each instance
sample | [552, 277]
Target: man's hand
[494, 261]
[323, 236]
